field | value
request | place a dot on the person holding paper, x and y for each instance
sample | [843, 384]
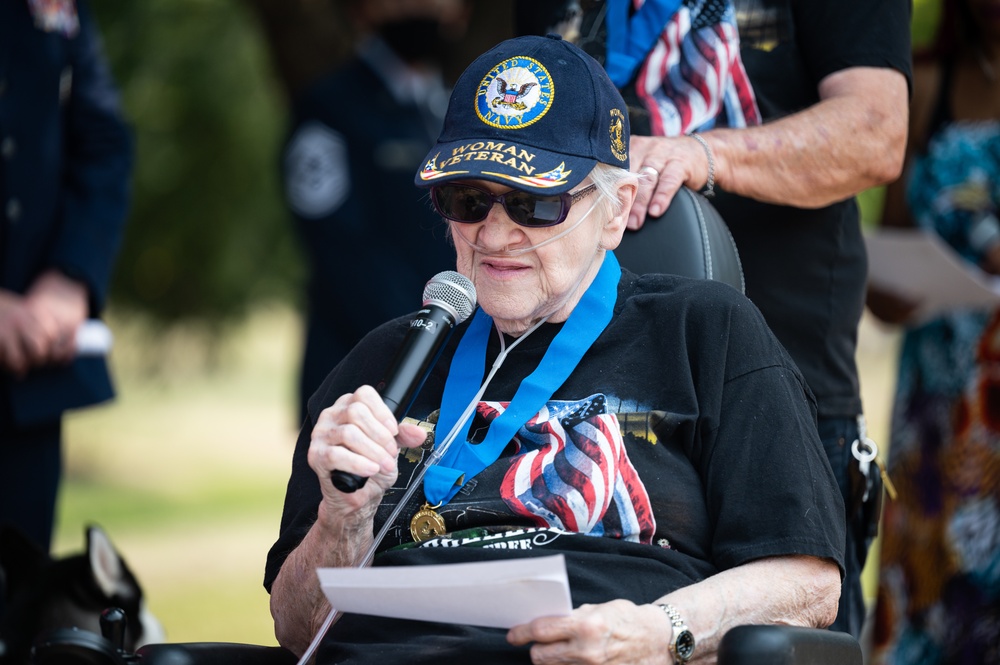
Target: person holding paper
[649, 429]
[938, 598]
[65, 171]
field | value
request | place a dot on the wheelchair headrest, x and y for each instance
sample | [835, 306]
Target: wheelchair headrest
[689, 239]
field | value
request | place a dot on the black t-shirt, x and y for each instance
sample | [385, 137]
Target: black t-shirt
[806, 269]
[683, 444]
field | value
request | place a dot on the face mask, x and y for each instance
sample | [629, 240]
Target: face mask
[416, 39]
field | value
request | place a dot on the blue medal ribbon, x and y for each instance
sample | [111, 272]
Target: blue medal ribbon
[463, 460]
[631, 38]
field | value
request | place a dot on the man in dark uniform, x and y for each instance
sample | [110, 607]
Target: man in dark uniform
[65, 160]
[372, 241]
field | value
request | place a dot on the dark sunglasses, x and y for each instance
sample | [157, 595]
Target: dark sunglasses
[469, 204]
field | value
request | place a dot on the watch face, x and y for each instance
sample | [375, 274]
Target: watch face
[685, 644]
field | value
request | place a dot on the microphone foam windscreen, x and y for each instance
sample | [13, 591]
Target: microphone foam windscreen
[453, 290]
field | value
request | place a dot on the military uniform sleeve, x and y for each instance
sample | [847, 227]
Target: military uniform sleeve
[98, 165]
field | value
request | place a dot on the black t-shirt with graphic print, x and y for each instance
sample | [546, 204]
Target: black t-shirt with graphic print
[663, 459]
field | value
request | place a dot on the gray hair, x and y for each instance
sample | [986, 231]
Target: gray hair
[608, 179]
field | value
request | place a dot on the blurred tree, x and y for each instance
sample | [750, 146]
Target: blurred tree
[926, 14]
[207, 236]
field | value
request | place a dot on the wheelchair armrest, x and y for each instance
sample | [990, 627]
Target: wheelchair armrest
[788, 645]
[213, 653]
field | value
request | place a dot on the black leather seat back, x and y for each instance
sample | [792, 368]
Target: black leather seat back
[689, 239]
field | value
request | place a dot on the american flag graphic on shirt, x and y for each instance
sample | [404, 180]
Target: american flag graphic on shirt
[571, 471]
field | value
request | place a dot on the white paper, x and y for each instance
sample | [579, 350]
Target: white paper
[919, 266]
[93, 338]
[500, 594]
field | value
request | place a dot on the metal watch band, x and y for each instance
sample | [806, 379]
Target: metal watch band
[709, 189]
[682, 640]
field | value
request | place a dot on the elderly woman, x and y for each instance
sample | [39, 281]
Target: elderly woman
[650, 429]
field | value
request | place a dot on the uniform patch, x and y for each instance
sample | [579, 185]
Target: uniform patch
[55, 16]
[618, 148]
[317, 178]
[514, 94]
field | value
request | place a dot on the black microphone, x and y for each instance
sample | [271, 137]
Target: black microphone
[449, 298]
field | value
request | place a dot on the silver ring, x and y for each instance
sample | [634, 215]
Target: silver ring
[650, 168]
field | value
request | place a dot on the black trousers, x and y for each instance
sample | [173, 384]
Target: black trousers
[30, 471]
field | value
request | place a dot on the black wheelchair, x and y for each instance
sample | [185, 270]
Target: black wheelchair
[689, 239]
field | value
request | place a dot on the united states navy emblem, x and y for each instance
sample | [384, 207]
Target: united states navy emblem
[514, 94]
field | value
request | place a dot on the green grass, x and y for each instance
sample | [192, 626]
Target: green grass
[139, 510]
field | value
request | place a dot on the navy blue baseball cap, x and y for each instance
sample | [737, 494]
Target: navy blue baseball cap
[535, 113]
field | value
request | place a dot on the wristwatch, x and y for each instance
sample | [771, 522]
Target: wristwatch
[682, 640]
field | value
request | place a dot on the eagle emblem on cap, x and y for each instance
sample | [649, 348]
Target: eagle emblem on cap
[515, 93]
[509, 95]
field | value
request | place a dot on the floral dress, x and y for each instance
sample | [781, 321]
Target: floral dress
[939, 589]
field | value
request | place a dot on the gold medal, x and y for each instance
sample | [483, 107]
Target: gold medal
[426, 523]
